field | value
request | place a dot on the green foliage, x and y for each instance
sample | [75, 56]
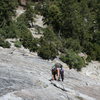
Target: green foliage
[10, 31]
[73, 60]
[77, 22]
[47, 51]
[73, 44]
[17, 44]
[7, 10]
[29, 43]
[51, 38]
[34, 45]
[95, 52]
[27, 18]
[29, 14]
[52, 15]
[49, 34]
[38, 8]
[4, 43]
[20, 30]
[49, 44]
[27, 39]
[98, 14]
[22, 19]
[2, 33]
[96, 38]
[72, 24]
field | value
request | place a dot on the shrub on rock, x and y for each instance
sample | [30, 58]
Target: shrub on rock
[73, 60]
[17, 44]
[4, 44]
[47, 51]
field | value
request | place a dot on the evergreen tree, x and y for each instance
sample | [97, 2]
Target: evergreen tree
[29, 14]
[7, 10]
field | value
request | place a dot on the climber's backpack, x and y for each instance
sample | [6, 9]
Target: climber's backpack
[54, 69]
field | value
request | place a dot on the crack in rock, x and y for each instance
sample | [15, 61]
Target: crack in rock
[70, 91]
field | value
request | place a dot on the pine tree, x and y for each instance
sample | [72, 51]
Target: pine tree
[67, 7]
[7, 10]
[29, 14]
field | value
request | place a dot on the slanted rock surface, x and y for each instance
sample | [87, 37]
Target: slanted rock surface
[38, 24]
[25, 76]
[92, 70]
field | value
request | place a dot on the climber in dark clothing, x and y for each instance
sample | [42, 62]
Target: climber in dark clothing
[57, 72]
[62, 73]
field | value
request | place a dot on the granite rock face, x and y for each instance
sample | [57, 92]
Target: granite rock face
[25, 76]
[92, 70]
